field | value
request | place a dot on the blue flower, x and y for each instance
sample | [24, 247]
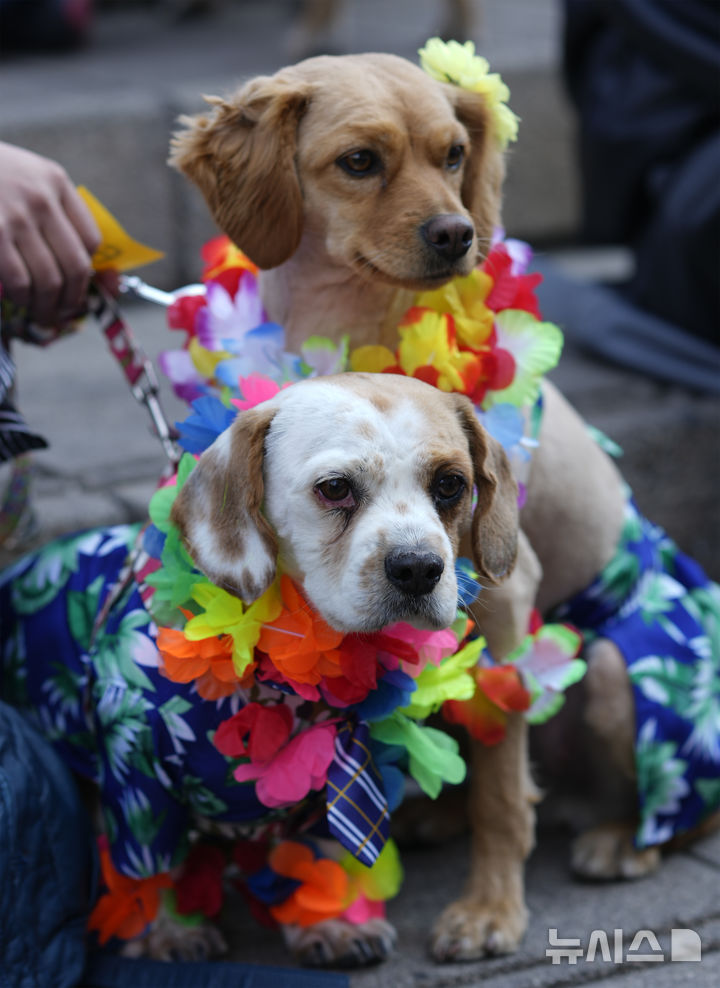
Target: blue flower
[153, 541]
[386, 758]
[504, 423]
[271, 888]
[209, 418]
[392, 691]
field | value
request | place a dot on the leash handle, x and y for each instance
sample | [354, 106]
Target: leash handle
[136, 366]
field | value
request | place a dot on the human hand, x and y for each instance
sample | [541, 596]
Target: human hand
[47, 237]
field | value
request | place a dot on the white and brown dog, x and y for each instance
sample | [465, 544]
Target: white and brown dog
[360, 488]
[354, 182]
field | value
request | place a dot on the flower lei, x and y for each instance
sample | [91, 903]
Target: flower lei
[480, 335]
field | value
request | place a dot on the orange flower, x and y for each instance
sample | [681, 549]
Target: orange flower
[128, 905]
[220, 254]
[499, 690]
[325, 889]
[299, 643]
[208, 661]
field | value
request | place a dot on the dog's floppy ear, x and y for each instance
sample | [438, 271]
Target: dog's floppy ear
[495, 522]
[218, 510]
[484, 169]
[242, 157]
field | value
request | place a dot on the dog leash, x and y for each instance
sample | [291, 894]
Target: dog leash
[136, 366]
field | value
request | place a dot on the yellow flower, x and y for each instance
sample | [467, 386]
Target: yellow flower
[428, 342]
[383, 879]
[451, 680]
[205, 361]
[458, 64]
[372, 359]
[224, 614]
[464, 299]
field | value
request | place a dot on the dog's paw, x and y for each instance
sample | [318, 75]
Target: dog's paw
[167, 940]
[608, 852]
[337, 943]
[470, 928]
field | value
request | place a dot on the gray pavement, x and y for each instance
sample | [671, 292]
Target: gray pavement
[106, 113]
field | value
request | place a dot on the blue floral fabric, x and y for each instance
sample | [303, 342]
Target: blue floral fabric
[663, 613]
[88, 674]
[109, 711]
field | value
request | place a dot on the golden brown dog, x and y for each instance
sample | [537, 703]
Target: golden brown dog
[353, 182]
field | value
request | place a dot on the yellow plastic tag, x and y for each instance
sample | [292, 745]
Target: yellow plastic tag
[118, 249]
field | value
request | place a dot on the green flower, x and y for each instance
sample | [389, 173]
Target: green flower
[450, 680]
[432, 755]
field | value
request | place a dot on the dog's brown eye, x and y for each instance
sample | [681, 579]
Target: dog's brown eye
[360, 163]
[448, 487]
[455, 156]
[336, 489]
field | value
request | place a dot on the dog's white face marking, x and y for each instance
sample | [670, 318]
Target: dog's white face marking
[366, 502]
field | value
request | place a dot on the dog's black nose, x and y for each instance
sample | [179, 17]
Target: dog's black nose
[449, 234]
[415, 573]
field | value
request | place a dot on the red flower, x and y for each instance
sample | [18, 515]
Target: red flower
[182, 313]
[510, 291]
[499, 691]
[268, 729]
[200, 887]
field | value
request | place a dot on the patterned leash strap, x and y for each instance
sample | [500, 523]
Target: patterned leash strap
[136, 366]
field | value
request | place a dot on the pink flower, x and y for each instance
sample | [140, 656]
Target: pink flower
[431, 646]
[256, 388]
[296, 768]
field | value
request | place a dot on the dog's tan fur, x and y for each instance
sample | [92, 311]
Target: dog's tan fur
[343, 254]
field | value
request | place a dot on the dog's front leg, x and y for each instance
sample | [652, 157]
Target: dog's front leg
[491, 916]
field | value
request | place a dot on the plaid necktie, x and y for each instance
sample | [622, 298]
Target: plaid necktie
[357, 809]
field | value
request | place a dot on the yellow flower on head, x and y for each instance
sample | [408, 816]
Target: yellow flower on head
[458, 64]
[464, 299]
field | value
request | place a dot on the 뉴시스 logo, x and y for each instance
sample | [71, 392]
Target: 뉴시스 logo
[685, 945]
